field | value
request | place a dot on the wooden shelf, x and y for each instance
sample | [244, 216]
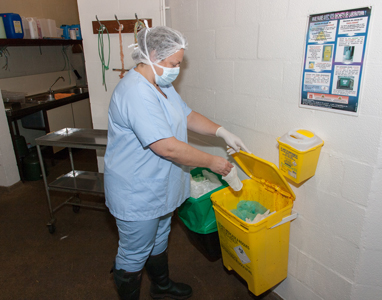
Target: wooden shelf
[38, 42]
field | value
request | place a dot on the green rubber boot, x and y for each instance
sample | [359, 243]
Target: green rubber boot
[128, 284]
[161, 285]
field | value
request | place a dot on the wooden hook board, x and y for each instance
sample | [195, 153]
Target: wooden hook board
[112, 25]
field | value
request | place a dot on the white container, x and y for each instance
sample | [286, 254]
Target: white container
[33, 30]
[27, 33]
[43, 25]
[52, 28]
[72, 33]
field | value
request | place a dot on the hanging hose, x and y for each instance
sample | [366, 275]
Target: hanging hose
[138, 26]
[121, 51]
[105, 66]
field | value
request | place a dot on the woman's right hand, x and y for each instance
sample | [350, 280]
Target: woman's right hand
[220, 165]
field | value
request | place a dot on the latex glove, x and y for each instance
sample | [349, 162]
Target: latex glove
[230, 150]
[232, 140]
[233, 180]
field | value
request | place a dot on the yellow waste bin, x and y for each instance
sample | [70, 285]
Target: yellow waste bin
[299, 150]
[257, 252]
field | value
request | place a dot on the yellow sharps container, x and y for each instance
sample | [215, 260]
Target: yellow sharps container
[299, 150]
[257, 252]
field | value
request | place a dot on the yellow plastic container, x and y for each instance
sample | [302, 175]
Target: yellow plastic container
[299, 150]
[257, 252]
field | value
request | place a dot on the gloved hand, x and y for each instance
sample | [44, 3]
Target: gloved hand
[232, 140]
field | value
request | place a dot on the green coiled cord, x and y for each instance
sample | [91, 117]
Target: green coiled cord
[101, 53]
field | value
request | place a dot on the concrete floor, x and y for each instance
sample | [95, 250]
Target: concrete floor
[75, 261]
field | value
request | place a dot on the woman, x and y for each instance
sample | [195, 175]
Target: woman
[146, 173]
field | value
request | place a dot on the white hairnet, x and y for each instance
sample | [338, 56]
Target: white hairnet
[164, 40]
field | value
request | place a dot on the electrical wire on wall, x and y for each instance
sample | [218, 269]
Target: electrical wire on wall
[67, 62]
[101, 51]
[4, 52]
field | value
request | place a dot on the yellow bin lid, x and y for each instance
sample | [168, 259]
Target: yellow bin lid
[263, 171]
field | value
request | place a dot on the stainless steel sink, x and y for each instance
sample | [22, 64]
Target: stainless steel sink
[36, 120]
[76, 90]
[47, 97]
[40, 99]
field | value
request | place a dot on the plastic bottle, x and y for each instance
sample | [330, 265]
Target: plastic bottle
[43, 25]
[72, 34]
[52, 28]
[13, 26]
[32, 28]
[27, 32]
[65, 34]
[77, 29]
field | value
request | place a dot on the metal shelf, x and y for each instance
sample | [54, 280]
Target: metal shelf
[75, 138]
[74, 182]
[79, 181]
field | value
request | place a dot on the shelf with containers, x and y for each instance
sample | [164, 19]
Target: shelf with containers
[75, 182]
[37, 42]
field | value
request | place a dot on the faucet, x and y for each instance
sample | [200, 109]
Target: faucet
[50, 89]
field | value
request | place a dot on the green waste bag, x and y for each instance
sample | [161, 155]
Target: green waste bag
[197, 213]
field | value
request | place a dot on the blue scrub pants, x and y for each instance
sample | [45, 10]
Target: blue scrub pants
[140, 239]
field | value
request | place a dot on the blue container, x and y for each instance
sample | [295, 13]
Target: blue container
[13, 26]
[77, 28]
[65, 34]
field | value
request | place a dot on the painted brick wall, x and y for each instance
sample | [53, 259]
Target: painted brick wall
[243, 69]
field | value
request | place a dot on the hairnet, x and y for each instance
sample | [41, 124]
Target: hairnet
[164, 40]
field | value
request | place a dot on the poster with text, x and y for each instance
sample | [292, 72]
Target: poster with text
[334, 60]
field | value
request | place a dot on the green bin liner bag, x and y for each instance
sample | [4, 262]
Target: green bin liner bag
[197, 213]
[248, 209]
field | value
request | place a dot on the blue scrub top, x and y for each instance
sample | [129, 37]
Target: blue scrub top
[139, 184]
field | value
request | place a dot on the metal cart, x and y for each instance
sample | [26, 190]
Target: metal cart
[75, 181]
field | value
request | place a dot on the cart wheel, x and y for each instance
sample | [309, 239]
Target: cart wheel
[51, 228]
[76, 208]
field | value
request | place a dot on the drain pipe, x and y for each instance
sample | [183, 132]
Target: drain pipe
[163, 9]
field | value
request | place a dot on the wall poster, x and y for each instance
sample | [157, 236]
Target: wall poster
[334, 60]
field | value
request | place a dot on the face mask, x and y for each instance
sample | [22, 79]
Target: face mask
[168, 76]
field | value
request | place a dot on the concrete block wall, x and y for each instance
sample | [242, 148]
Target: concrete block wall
[243, 69]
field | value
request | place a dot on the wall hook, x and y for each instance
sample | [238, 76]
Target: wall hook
[119, 24]
[100, 25]
[139, 24]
